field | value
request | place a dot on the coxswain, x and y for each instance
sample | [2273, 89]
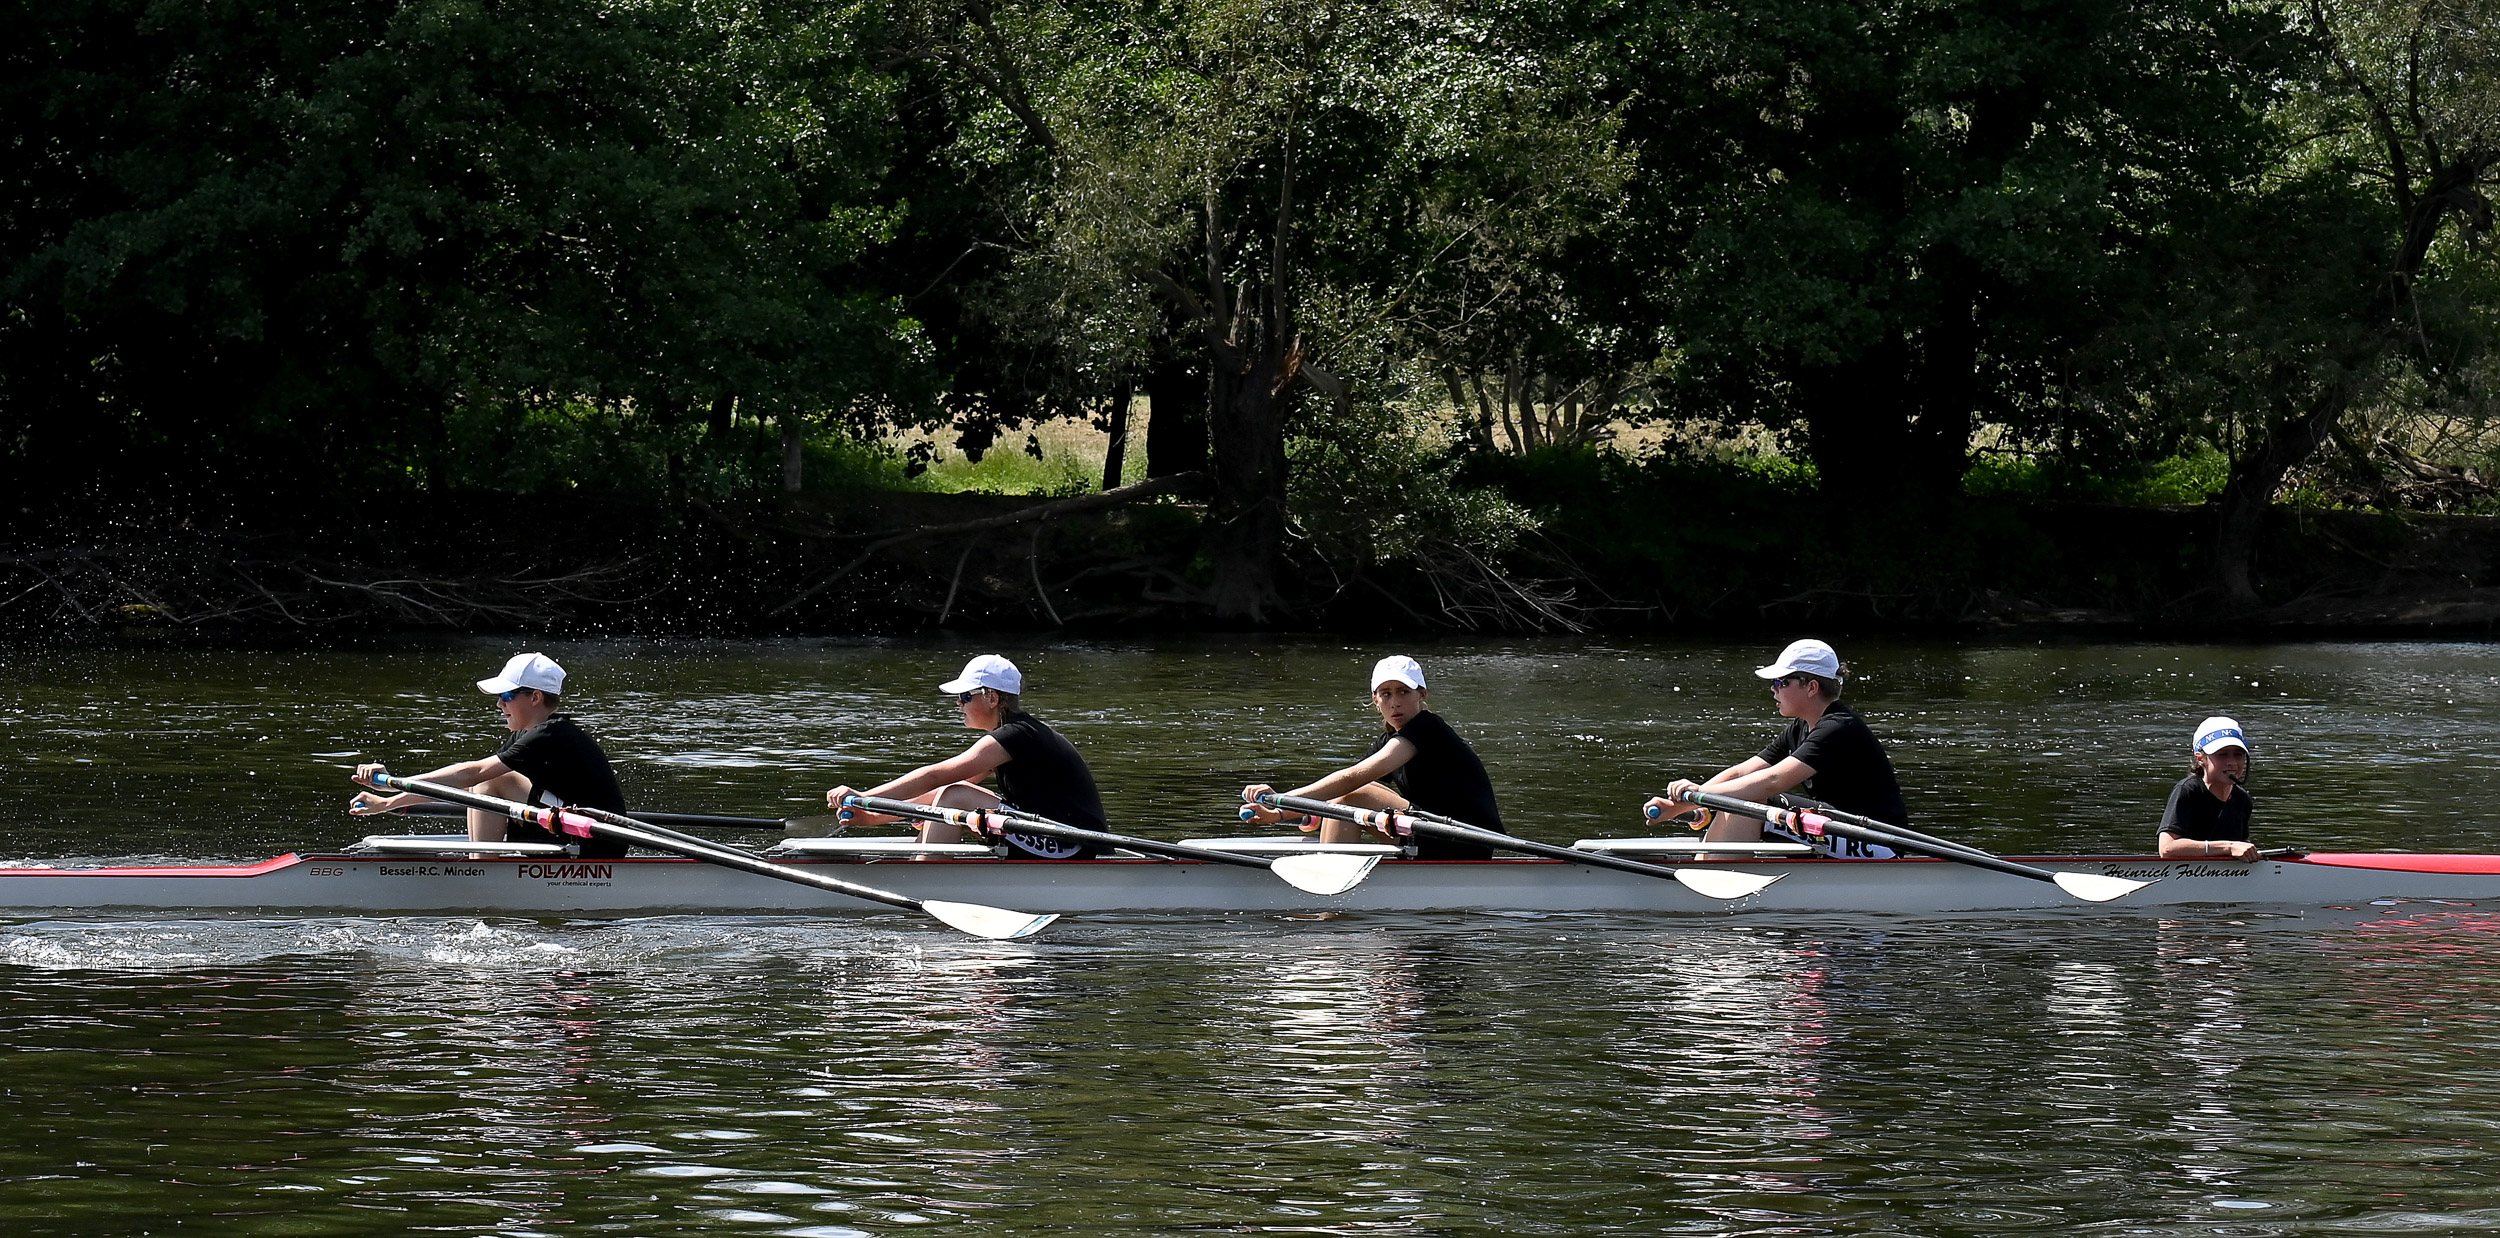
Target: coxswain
[2209, 810]
[1417, 761]
[547, 760]
[1825, 749]
[1038, 770]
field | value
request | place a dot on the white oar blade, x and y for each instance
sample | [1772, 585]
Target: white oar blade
[996, 923]
[1324, 873]
[1718, 883]
[2093, 888]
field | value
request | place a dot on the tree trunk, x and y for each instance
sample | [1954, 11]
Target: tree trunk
[1478, 434]
[1115, 456]
[1176, 417]
[2240, 514]
[793, 451]
[1858, 430]
[1246, 522]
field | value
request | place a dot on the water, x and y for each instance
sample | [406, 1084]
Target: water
[2214, 1074]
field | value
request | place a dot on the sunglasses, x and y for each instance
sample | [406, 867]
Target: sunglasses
[507, 696]
[965, 698]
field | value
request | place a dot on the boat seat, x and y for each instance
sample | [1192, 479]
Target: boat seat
[1289, 846]
[896, 844]
[452, 844]
[1688, 846]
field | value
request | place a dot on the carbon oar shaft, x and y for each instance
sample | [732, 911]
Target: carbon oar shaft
[1317, 874]
[1818, 807]
[697, 820]
[2088, 886]
[972, 918]
[1712, 883]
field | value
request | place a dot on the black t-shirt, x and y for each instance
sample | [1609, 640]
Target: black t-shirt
[1851, 772]
[1045, 776]
[2194, 814]
[564, 765]
[1443, 776]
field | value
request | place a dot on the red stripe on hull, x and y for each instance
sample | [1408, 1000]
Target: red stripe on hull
[2408, 863]
[271, 865]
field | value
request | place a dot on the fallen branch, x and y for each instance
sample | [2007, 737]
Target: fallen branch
[1135, 492]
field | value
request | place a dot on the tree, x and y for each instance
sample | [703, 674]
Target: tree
[1878, 225]
[1222, 163]
[269, 248]
[2393, 141]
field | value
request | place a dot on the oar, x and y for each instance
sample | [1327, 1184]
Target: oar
[993, 922]
[1709, 883]
[818, 824]
[1317, 873]
[2090, 887]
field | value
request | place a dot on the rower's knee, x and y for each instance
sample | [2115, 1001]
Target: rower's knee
[964, 795]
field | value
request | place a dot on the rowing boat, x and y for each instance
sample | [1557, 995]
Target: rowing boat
[452, 875]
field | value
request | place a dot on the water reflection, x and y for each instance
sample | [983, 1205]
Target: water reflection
[1371, 1075]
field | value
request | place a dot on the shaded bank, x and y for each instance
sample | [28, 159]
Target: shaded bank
[1733, 558]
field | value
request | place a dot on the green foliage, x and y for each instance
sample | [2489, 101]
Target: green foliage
[538, 246]
[1377, 481]
[2177, 481]
[316, 242]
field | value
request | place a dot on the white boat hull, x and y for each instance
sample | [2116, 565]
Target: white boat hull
[367, 884]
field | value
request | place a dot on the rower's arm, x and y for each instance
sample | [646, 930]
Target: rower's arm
[464, 775]
[2174, 847]
[1391, 758]
[971, 765]
[1758, 780]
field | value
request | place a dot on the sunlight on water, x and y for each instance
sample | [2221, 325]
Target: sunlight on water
[2207, 1074]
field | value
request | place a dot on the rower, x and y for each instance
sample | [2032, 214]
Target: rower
[2209, 810]
[1038, 770]
[1825, 748]
[1417, 761]
[548, 760]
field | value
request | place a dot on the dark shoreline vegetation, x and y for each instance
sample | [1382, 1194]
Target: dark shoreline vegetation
[657, 317]
[1616, 546]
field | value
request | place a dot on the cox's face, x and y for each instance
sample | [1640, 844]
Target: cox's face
[1398, 703]
[2231, 763]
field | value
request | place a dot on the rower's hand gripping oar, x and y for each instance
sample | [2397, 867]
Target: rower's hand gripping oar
[2090, 887]
[992, 922]
[1707, 882]
[1319, 873]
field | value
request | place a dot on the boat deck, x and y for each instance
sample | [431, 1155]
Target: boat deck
[539, 886]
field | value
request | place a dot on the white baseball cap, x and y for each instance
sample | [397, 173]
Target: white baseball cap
[1398, 668]
[1810, 657]
[526, 670]
[2217, 733]
[987, 671]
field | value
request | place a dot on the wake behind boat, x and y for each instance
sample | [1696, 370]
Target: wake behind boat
[437, 875]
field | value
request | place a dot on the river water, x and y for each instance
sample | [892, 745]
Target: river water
[877, 1075]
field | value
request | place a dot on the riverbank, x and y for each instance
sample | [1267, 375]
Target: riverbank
[1729, 560]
